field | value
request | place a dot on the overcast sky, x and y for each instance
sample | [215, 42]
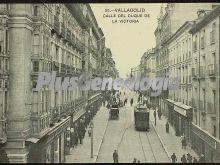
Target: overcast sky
[128, 41]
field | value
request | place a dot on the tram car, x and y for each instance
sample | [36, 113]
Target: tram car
[141, 117]
[114, 112]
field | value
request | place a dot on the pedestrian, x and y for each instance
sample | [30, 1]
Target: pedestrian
[131, 102]
[189, 158]
[173, 158]
[90, 131]
[139, 161]
[184, 144]
[167, 127]
[115, 156]
[135, 160]
[195, 160]
[183, 159]
[202, 159]
[159, 113]
[155, 117]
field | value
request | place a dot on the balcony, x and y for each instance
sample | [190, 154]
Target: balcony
[211, 71]
[4, 72]
[3, 126]
[202, 72]
[63, 68]
[55, 115]
[4, 9]
[194, 103]
[210, 108]
[56, 25]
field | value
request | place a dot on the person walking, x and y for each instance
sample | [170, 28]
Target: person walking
[183, 159]
[90, 131]
[115, 156]
[167, 127]
[189, 158]
[131, 102]
[159, 113]
[135, 160]
[155, 117]
[195, 160]
[173, 158]
[184, 144]
[202, 159]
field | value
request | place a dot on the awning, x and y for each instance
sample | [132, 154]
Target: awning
[171, 101]
[182, 109]
[32, 140]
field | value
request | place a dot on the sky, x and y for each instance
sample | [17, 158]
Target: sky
[127, 41]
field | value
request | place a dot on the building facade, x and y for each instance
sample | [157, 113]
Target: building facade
[35, 125]
[178, 109]
[168, 23]
[205, 84]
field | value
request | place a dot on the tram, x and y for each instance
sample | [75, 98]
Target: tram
[114, 112]
[141, 117]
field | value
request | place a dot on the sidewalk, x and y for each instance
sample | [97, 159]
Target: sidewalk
[171, 142]
[82, 152]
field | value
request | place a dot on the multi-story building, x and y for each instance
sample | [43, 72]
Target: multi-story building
[178, 107]
[35, 125]
[4, 74]
[148, 66]
[205, 84]
[168, 24]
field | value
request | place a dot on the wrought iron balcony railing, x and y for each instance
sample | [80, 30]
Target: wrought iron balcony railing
[211, 70]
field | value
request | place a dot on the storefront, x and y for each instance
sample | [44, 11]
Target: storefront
[50, 148]
[204, 143]
[182, 118]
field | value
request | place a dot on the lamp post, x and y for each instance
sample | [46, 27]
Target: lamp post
[68, 140]
[91, 126]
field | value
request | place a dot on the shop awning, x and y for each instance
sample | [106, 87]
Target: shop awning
[182, 109]
[171, 101]
[32, 140]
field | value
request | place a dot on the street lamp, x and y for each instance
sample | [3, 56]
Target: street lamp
[68, 139]
[91, 126]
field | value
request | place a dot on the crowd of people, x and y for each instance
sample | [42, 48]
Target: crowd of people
[188, 158]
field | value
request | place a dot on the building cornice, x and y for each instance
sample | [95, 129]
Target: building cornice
[205, 20]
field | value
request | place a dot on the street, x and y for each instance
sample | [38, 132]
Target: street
[121, 135]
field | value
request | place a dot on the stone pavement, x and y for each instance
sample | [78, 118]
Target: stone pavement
[171, 142]
[82, 152]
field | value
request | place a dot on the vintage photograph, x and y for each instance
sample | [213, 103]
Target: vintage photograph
[109, 82]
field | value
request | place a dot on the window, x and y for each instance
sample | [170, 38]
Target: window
[195, 44]
[214, 96]
[212, 33]
[36, 44]
[36, 10]
[36, 66]
[214, 130]
[203, 40]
